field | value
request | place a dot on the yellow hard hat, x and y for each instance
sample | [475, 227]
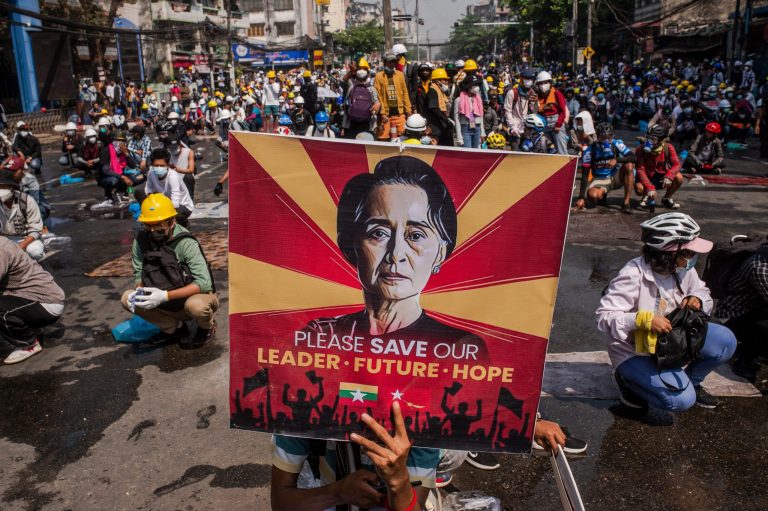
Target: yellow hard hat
[413, 141]
[686, 83]
[722, 85]
[674, 82]
[439, 74]
[501, 85]
[489, 79]
[291, 95]
[597, 81]
[493, 64]
[144, 106]
[307, 73]
[690, 88]
[599, 90]
[500, 90]
[156, 208]
[576, 90]
[470, 65]
[104, 111]
[363, 64]
[270, 74]
[212, 103]
[205, 89]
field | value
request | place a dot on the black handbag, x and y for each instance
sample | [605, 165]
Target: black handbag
[681, 345]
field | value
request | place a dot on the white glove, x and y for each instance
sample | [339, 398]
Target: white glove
[459, 142]
[151, 297]
[667, 182]
[132, 300]
[652, 194]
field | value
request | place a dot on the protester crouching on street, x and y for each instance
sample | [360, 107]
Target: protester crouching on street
[706, 154]
[164, 248]
[88, 153]
[612, 166]
[745, 310]
[166, 180]
[20, 218]
[634, 310]
[26, 145]
[69, 144]
[29, 300]
[28, 184]
[658, 168]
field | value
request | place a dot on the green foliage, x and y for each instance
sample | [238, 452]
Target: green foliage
[471, 40]
[360, 39]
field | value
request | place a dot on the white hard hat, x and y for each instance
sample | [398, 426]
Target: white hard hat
[737, 63]
[173, 115]
[224, 115]
[20, 124]
[725, 104]
[748, 63]
[416, 122]
[249, 100]
[104, 121]
[543, 76]
[460, 63]
[201, 102]
[174, 98]
[90, 132]
[299, 100]
[70, 126]
[229, 98]
[399, 49]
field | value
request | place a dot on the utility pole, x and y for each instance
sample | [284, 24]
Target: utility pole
[230, 62]
[386, 6]
[735, 35]
[745, 31]
[574, 21]
[418, 43]
[589, 33]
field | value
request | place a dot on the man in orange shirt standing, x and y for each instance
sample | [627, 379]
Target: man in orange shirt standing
[393, 93]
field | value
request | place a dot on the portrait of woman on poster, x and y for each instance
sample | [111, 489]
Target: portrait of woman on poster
[397, 227]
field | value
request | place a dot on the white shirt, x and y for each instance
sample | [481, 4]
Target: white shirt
[271, 93]
[172, 186]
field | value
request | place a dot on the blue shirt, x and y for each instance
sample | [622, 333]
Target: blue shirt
[599, 154]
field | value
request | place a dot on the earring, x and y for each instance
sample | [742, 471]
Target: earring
[436, 270]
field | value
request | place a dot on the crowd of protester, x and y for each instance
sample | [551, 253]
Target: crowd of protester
[688, 116]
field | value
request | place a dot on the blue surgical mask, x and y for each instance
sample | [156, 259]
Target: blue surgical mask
[600, 96]
[159, 171]
[321, 126]
[690, 264]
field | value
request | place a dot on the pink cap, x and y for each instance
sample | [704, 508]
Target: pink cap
[698, 245]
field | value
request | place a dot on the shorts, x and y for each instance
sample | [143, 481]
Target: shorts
[658, 181]
[271, 109]
[608, 183]
[384, 129]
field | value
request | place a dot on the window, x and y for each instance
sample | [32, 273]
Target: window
[284, 29]
[256, 30]
[252, 5]
[284, 5]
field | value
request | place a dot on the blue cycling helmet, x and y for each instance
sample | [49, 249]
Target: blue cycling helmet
[321, 116]
[119, 111]
[339, 100]
[284, 120]
[637, 88]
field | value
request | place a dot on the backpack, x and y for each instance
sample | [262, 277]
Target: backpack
[161, 268]
[360, 103]
[725, 259]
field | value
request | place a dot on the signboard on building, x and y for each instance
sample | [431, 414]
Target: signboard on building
[256, 57]
[318, 58]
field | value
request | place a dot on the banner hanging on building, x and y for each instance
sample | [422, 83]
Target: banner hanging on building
[361, 274]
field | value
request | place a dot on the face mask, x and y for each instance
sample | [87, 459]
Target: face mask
[690, 264]
[545, 87]
[159, 236]
[651, 95]
[601, 96]
[321, 126]
[24, 133]
[527, 84]
[116, 145]
[687, 110]
[5, 194]
[648, 146]
[579, 128]
[159, 171]
[70, 133]
[474, 89]
[91, 140]
[174, 122]
[444, 88]
[102, 130]
[389, 70]
[361, 74]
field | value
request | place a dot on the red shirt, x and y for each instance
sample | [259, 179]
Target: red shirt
[650, 166]
[553, 108]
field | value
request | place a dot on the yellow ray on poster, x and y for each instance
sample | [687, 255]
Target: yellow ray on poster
[520, 306]
[256, 286]
[285, 159]
[514, 178]
[376, 153]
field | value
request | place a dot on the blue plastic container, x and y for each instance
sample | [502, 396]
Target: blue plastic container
[134, 330]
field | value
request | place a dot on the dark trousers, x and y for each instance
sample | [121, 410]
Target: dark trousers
[751, 332]
[112, 184]
[20, 320]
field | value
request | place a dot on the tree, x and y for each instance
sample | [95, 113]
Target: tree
[469, 39]
[365, 38]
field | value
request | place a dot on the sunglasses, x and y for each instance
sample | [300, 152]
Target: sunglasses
[156, 227]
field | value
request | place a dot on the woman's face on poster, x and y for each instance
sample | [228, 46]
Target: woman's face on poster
[399, 247]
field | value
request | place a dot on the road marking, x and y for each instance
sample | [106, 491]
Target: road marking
[754, 159]
[215, 167]
[587, 374]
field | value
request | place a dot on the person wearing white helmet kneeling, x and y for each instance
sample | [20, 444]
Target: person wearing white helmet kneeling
[69, 144]
[640, 316]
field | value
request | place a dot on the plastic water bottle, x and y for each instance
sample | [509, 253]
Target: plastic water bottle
[652, 204]
[392, 130]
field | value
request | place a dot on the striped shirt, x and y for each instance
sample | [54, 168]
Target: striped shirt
[144, 145]
[749, 289]
[289, 454]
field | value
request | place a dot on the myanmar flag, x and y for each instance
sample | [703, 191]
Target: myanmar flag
[357, 392]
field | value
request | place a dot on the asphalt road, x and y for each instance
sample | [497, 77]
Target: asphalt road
[89, 424]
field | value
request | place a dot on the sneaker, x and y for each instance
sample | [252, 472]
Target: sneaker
[626, 396]
[704, 399]
[482, 460]
[201, 337]
[21, 354]
[573, 445]
[644, 202]
[105, 204]
[443, 479]
[747, 369]
[670, 203]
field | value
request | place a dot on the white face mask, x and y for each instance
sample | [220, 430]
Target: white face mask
[545, 87]
[24, 133]
[5, 194]
[444, 88]
[92, 140]
[527, 83]
[474, 89]
[159, 171]
[70, 133]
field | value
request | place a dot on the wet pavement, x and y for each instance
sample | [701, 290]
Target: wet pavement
[91, 424]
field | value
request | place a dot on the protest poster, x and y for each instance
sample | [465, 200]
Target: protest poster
[363, 273]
